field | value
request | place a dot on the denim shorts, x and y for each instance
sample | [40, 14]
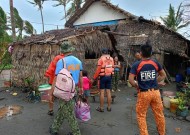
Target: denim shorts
[105, 82]
[86, 93]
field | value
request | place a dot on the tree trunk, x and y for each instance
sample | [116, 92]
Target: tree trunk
[65, 12]
[12, 20]
[42, 20]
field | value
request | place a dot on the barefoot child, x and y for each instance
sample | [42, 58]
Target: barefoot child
[86, 85]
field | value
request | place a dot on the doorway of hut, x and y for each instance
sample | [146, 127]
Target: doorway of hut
[175, 64]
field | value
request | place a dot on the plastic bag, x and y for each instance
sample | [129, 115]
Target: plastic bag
[82, 111]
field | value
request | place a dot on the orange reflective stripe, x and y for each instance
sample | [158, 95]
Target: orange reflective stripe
[142, 63]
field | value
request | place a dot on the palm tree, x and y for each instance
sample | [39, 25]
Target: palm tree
[19, 23]
[12, 20]
[4, 38]
[75, 5]
[174, 20]
[39, 3]
[64, 4]
[29, 29]
[22, 25]
[3, 22]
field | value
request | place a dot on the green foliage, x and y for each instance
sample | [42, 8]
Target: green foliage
[29, 81]
[3, 18]
[7, 66]
[64, 4]
[29, 29]
[174, 20]
[19, 23]
[39, 3]
[183, 99]
[6, 61]
[76, 4]
[5, 57]
[3, 22]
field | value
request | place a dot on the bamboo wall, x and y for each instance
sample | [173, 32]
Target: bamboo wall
[32, 60]
[160, 39]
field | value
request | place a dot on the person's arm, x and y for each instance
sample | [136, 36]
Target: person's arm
[52, 90]
[90, 83]
[132, 80]
[118, 65]
[161, 75]
[98, 69]
[81, 83]
[133, 73]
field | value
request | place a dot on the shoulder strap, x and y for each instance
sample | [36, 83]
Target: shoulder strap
[64, 63]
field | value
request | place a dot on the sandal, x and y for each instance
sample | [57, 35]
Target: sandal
[50, 112]
[99, 109]
[109, 109]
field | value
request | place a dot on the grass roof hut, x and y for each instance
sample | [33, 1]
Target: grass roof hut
[123, 36]
[32, 56]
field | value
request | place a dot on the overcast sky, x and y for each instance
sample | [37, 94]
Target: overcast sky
[150, 9]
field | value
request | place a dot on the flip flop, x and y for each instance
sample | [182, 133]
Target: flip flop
[50, 112]
[109, 109]
[99, 109]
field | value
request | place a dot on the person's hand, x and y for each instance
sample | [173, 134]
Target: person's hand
[92, 81]
[80, 91]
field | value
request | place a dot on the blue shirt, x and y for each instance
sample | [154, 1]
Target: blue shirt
[146, 72]
[73, 64]
[116, 69]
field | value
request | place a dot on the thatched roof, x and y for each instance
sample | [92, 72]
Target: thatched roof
[128, 15]
[57, 36]
[87, 4]
[159, 25]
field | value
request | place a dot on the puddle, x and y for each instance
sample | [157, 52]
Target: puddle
[9, 111]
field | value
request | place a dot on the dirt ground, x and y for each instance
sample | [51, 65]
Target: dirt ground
[120, 121]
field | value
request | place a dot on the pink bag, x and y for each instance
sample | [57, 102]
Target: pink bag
[65, 85]
[82, 111]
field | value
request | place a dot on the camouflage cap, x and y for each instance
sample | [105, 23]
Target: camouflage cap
[66, 47]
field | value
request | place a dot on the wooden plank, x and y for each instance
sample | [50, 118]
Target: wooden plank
[168, 78]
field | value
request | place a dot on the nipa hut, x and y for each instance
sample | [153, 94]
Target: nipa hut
[112, 28]
[32, 56]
